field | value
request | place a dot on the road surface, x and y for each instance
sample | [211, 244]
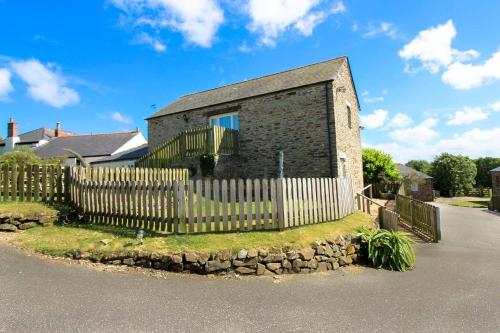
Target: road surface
[455, 287]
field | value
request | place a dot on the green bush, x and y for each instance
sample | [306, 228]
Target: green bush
[27, 157]
[207, 164]
[378, 167]
[388, 249]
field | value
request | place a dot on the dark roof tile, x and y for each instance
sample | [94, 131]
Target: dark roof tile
[302, 76]
[85, 145]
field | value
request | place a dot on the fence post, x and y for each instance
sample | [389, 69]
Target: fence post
[280, 204]
[437, 217]
[381, 217]
[412, 217]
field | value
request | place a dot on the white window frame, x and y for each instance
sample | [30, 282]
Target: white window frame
[222, 115]
[414, 187]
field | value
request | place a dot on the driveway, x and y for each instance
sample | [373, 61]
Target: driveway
[454, 288]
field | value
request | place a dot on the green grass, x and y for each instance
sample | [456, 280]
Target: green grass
[25, 208]
[60, 240]
[470, 204]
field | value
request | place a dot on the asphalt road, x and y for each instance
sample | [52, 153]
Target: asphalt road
[454, 288]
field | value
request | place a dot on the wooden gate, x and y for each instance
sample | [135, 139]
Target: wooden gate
[422, 218]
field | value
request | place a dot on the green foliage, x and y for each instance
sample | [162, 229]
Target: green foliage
[419, 165]
[388, 249]
[453, 174]
[483, 166]
[378, 167]
[27, 157]
[207, 164]
[79, 157]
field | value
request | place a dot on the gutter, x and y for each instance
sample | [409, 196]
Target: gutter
[330, 153]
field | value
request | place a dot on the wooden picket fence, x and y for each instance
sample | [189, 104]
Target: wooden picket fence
[190, 143]
[204, 206]
[129, 174]
[422, 218]
[33, 183]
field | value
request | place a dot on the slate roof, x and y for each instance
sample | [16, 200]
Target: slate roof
[36, 135]
[131, 154]
[302, 76]
[496, 169]
[407, 171]
[86, 145]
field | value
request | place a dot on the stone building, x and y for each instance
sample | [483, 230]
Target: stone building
[495, 189]
[310, 113]
[417, 184]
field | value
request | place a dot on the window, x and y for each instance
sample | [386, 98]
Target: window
[414, 187]
[227, 120]
[349, 116]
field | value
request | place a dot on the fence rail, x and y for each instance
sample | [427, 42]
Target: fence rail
[422, 218]
[204, 206]
[130, 174]
[191, 143]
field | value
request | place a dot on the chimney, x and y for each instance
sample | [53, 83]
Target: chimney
[12, 128]
[57, 131]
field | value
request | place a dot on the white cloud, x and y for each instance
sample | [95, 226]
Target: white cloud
[495, 106]
[120, 118]
[432, 47]
[473, 143]
[271, 18]
[467, 116]
[423, 132]
[381, 29]
[374, 120]
[5, 84]
[374, 99]
[45, 83]
[400, 120]
[147, 39]
[197, 20]
[467, 76]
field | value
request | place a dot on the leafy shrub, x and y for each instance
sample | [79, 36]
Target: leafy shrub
[28, 157]
[388, 249]
[207, 164]
[378, 167]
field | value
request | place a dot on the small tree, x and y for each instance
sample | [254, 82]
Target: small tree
[27, 157]
[453, 174]
[483, 166]
[20, 157]
[378, 167]
[419, 165]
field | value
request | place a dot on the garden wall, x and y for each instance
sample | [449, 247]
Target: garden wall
[321, 256]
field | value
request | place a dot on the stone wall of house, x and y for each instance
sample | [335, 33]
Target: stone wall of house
[294, 121]
[347, 143]
[425, 191]
[495, 183]
[320, 256]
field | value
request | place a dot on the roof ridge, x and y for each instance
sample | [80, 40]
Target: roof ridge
[97, 134]
[264, 76]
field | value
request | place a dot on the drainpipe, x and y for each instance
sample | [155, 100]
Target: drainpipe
[330, 153]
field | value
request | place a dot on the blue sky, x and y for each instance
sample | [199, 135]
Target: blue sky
[427, 72]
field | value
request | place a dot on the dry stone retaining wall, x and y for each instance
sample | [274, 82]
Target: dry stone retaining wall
[321, 256]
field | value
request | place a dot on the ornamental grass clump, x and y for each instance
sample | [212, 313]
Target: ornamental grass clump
[388, 249]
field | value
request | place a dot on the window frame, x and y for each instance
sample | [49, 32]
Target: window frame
[349, 114]
[222, 115]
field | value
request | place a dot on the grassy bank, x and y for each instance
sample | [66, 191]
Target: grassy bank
[58, 240]
[470, 204]
[26, 208]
